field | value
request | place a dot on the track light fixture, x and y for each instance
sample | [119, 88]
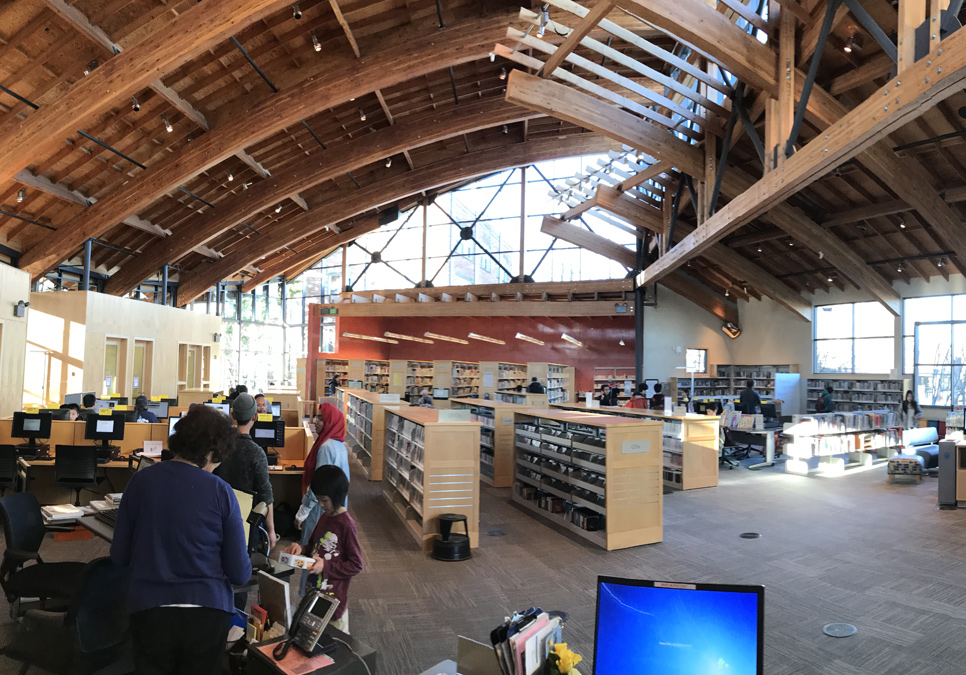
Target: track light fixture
[573, 341]
[726, 293]
[621, 343]
[831, 278]
[445, 338]
[167, 124]
[492, 57]
[296, 12]
[902, 224]
[759, 249]
[316, 45]
[854, 43]
[900, 267]
[231, 176]
[942, 262]
[135, 106]
[506, 129]
[21, 194]
[388, 162]
[527, 338]
[278, 209]
[544, 20]
[362, 115]
[503, 73]
[90, 67]
[484, 338]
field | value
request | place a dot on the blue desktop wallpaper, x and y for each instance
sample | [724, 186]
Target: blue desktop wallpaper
[671, 631]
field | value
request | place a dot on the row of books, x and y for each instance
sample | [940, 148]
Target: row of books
[842, 422]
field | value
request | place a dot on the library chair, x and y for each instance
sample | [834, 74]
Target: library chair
[91, 636]
[8, 468]
[75, 468]
[23, 533]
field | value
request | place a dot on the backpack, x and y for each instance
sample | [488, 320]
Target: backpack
[820, 404]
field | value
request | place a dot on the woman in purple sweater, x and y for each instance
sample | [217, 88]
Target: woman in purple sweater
[180, 531]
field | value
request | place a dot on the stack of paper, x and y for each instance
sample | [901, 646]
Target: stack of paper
[60, 512]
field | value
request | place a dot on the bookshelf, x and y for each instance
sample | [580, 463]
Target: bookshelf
[856, 395]
[365, 414]
[597, 476]
[496, 438]
[431, 467]
[839, 442]
[462, 378]
[690, 444]
[326, 368]
[619, 375]
[409, 377]
[502, 376]
[557, 378]
[376, 377]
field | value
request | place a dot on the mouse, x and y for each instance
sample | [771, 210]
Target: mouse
[291, 468]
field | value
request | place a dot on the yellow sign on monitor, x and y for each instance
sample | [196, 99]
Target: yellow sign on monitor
[33, 411]
[115, 396]
[106, 412]
[123, 407]
[155, 398]
[218, 399]
[268, 398]
[264, 417]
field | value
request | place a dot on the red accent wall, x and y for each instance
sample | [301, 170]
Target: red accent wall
[601, 337]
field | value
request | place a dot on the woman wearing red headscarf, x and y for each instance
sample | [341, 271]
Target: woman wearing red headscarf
[329, 448]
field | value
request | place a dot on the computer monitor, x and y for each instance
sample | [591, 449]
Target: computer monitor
[276, 410]
[120, 400]
[105, 428]
[171, 422]
[769, 411]
[678, 629]
[440, 394]
[145, 462]
[61, 414]
[353, 384]
[223, 407]
[170, 400]
[105, 403]
[159, 408]
[31, 426]
[269, 434]
[78, 398]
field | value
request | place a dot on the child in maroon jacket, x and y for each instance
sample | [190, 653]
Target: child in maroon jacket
[334, 543]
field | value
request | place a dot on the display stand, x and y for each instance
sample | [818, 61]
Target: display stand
[432, 467]
[691, 444]
[496, 438]
[597, 476]
[365, 414]
[836, 443]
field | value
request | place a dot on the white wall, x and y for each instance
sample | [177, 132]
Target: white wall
[14, 286]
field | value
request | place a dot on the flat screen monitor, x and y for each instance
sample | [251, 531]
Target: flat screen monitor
[678, 629]
[105, 403]
[441, 394]
[171, 422]
[61, 414]
[353, 384]
[78, 398]
[223, 407]
[121, 400]
[769, 411]
[145, 462]
[276, 409]
[269, 434]
[170, 400]
[105, 427]
[130, 416]
[159, 408]
[31, 425]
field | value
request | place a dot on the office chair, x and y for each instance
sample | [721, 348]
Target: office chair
[75, 468]
[23, 532]
[8, 468]
[91, 636]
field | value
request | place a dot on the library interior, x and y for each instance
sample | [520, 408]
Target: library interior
[572, 336]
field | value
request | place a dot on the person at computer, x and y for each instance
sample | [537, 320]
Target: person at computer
[264, 407]
[657, 400]
[535, 387]
[749, 402]
[608, 396]
[74, 410]
[911, 412]
[180, 532]
[329, 448]
[246, 466]
[89, 402]
[425, 400]
[141, 408]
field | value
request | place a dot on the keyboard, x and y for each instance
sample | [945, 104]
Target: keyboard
[108, 516]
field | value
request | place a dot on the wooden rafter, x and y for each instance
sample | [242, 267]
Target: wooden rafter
[582, 30]
[345, 27]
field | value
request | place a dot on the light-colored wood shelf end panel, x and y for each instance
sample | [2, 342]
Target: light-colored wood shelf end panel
[700, 465]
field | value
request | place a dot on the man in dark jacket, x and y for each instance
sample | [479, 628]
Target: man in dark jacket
[535, 387]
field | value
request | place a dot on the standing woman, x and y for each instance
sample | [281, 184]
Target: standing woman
[329, 448]
[911, 412]
[180, 531]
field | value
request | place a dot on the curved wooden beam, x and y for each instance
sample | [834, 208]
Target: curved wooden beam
[351, 203]
[388, 67]
[316, 168]
[125, 74]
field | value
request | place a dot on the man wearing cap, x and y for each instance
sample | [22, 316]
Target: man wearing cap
[144, 415]
[246, 467]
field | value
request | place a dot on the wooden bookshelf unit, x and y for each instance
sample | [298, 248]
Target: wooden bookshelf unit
[597, 476]
[496, 438]
[431, 468]
[365, 414]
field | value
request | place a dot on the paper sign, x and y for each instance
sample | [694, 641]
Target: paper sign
[507, 421]
[105, 411]
[634, 447]
[454, 415]
[487, 379]
[33, 411]
[389, 398]
[153, 448]
[628, 387]
[588, 397]
[680, 410]
[123, 407]
[397, 378]
[137, 381]
[218, 399]
[264, 417]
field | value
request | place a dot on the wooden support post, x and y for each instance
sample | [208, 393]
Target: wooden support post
[786, 79]
[774, 146]
[710, 171]
[344, 255]
[911, 14]
[425, 228]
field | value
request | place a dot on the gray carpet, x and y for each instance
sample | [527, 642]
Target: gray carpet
[851, 549]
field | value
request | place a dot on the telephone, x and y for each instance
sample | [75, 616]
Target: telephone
[311, 618]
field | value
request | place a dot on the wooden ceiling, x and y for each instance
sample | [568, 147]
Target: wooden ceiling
[269, 163]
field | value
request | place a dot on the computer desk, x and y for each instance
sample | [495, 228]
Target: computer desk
[48, 493]
[769, 436]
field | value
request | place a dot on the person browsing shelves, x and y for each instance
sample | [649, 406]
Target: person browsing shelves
[535, 387]
[657, 400]
[334, 543]
[180, 531]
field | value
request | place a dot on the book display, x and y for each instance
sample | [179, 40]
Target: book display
[839, 442]
[598, 476]
[376, 377]
[431, 467]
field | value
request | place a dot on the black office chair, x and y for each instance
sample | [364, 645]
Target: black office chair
[91, 636]
[75, 468]
[8, 468]
[23, 533]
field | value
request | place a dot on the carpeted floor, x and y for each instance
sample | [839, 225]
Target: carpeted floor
[851, 549]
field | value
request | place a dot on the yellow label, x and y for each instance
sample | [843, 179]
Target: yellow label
[155, 398]
[123, 407]
[115, 396]
[264, 417]
[268, 398]
[218, 399]
[33, 411]
[106, 412]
